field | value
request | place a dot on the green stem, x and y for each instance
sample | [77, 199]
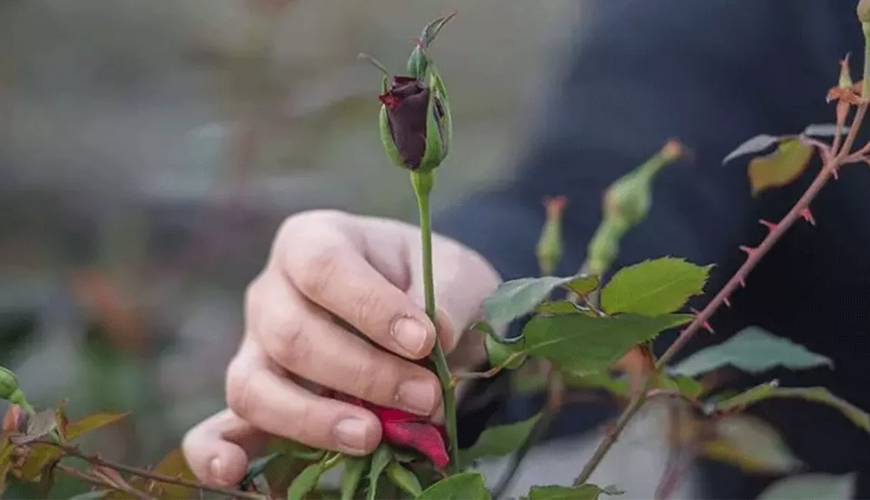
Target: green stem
[423, 183]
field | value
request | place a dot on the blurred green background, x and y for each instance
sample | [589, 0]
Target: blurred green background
[150, 148]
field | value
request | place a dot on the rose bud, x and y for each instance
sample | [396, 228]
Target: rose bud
[415, 122]
[863, 11]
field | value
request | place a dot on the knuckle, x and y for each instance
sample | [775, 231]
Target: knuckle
[376, 382]
[316, 272]
[290, 345]
[368, 309]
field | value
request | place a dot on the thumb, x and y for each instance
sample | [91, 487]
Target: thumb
[462, 280]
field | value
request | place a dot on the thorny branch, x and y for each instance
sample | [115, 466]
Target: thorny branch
[104, 482]
[798, 211]
[72, 451]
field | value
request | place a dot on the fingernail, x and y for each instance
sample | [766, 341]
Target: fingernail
[417, 397]
[351, 434]
[410, 334]
[217, 470]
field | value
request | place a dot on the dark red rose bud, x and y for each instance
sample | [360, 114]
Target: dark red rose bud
[407, 107]
[415, 122]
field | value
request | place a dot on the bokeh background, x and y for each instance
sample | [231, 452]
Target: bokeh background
[149, 150]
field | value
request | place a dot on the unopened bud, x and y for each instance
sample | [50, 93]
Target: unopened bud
[8, 383]
[863, 11]
[549, 249]
[604, 246]
[673, 150]
[11, 391]
[415, 122]
[629, 198]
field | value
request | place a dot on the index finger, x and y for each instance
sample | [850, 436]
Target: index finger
[331, 272]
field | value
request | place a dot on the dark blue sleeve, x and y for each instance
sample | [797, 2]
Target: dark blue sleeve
[640, 72]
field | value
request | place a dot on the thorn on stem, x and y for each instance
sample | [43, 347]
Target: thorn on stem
[748, 250]
[706, 323]
[836, 173]
[808, 216]
[769, 225]
[741, 281]
[726, 301]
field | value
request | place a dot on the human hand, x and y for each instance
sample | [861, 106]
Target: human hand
[330, 273]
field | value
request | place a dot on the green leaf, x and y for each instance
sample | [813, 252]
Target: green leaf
[174, 464]
[752, 350]
[301, 451]
[751, 444]
[305, 482]
[403, 478]
[503, 354]
[514, 299]
[755, 145]
[653, 287]
[584, 344]
[583, 284]
[91, 423]
[91, 495]
[354, 468]
[686, 386]
[602, 380]
[812, 487]
[308, 479]
[814, 394]
[381, 459]
[38, 426]
[463, 486]
[747, 397]
[557, 307]
[499, 440]
[781, 167]
[582, 492]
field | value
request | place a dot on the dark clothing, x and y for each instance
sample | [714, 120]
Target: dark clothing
[712, 74]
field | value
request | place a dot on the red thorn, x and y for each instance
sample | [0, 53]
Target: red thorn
[706, 323]
[769, 225]
[726, 301]
[808, 216]
[747, 249]
[742, 282]
[836, 174]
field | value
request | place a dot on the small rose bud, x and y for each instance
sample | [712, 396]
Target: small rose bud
[863, 11]
[8, 384]
[11, 391]
[604, 246]
[549, 249]
[415, 122]
[630, 197]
